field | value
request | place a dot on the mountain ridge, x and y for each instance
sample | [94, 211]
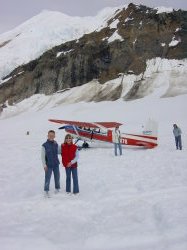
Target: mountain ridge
[132, 36]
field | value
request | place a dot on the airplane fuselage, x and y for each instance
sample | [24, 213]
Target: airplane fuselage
[89, 134]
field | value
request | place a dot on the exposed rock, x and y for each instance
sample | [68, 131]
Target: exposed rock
[4, 43]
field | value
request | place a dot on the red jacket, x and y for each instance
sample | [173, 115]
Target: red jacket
[68, 153]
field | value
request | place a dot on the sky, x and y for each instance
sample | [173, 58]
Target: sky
[15, 12]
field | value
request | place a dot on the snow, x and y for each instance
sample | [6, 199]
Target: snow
[177, 29]
[173, 42]
[133, 202]
[162, 9]
[128, 19]
[113, 13]
[164, 78]
[6, 79]
[134, 41]
[59, 54]
[63, 52]
[114, 24]
[115, 36]
[165, 65]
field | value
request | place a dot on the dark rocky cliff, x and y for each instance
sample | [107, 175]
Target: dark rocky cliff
[144, 35]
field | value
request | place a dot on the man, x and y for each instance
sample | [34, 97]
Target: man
[116, 138]
[50, 161]
[177, 133]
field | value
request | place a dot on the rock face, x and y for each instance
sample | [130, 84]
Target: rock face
[131, 37]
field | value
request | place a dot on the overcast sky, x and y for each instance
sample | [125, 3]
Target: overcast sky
[15, 12]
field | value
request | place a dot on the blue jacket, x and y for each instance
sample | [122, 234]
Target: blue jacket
[51, 154]
[177, 131]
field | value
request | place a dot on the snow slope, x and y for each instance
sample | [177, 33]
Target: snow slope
[133, 202]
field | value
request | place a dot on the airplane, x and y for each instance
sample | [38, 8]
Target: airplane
[102, 132]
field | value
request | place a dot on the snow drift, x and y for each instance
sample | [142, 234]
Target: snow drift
[136, 201]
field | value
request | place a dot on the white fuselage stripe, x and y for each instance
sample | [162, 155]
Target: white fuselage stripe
[134, 137]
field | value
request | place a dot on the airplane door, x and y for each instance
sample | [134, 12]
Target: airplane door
[109, 135]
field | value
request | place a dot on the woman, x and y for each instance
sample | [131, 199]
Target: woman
[69, 152]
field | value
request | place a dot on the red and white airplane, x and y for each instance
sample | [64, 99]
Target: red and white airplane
[102, 131]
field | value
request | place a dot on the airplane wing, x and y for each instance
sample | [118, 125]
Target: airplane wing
[88, 124]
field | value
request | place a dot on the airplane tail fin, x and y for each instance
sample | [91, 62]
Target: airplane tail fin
[150, 128]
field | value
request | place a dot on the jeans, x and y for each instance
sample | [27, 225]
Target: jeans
[48, 174]
[117, 145]
[74, 173]
[178, 142]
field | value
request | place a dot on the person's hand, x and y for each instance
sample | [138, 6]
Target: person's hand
[69, 164]
[45, 168]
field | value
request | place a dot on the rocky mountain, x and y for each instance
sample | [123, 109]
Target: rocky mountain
[122, 46]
